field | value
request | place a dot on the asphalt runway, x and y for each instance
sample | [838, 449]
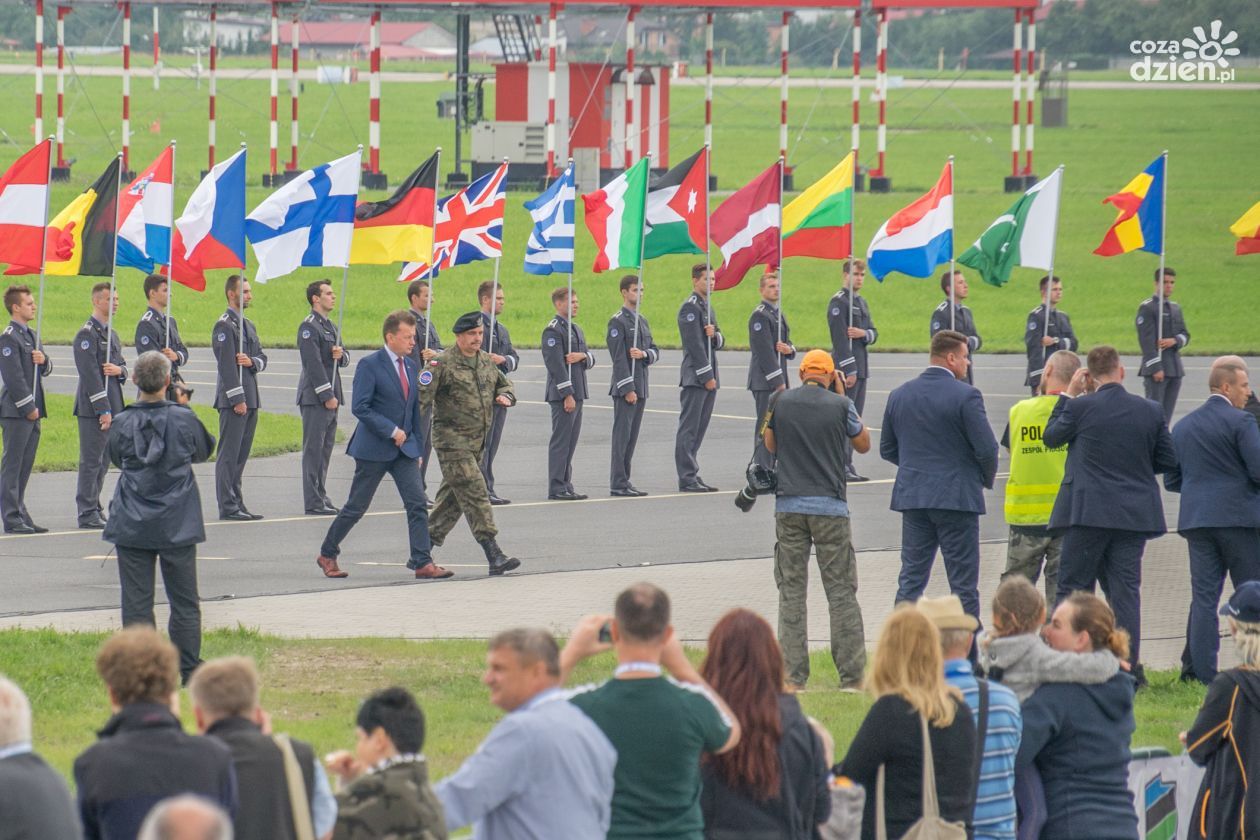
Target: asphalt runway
[72, 569]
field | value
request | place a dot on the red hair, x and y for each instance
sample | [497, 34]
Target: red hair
[745, 667]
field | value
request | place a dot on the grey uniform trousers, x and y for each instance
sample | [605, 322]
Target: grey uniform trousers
[319, 433]
[627, 419]
[498, 418]
[693, 421]
[21, 439]
[565, 428]
[761, 404]
[426, 423]
[179, 578]
[858, 395]
[236, 437]
[93, 464]
[1165, 393]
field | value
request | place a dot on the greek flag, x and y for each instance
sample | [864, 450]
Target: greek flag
[550, 246]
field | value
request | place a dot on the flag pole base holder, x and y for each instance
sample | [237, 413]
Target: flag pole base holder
[129, 175]
[1013, 183]
[1030, 180]
[273, 179]
[457, 180]
[375, 181]
[712, 182]
[881, 184]
[61, 173]
[289, 174]
[788, 182]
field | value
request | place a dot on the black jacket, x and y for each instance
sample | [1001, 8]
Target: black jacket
[1225, 740]
[156, 503]
[34, 801]
[804, 800]
[265, 811]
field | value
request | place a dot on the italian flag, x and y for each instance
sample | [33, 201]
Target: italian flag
[819, 221]
[1022, 236]
[615, 217]
[677, 206]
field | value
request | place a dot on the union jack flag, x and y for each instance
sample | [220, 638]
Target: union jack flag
[469, 227]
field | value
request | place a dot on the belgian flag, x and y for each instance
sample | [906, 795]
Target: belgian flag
[400, 228]
[82, 237]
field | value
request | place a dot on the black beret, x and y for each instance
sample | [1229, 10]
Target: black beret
[466, 322]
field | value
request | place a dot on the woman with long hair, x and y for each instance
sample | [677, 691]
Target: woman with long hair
[773, 786]
[907, 678]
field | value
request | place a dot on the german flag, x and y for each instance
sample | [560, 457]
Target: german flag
[400, 228]
[82, 237]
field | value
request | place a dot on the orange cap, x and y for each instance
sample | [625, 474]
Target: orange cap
[817, 361]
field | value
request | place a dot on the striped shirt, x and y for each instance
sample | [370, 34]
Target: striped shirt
[995, 796]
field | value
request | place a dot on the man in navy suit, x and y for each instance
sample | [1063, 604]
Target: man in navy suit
[1218, 476]
[1109, 502]
[388, 439]
[936, 432]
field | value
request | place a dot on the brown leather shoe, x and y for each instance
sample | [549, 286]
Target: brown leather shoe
[432, 571]
[329, 567]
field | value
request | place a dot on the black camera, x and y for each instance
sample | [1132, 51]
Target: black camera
[761, 481]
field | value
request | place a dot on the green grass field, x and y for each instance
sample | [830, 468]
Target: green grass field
[1112, 136]
[312, 689]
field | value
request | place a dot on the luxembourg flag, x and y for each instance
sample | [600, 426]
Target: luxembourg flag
[920, 236]
[211, 232]
[144, 212]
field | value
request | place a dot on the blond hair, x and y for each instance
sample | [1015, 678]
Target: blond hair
[1246, 641]
[908, 663]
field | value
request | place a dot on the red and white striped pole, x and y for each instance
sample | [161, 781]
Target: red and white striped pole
[881, 96]
[1017, 86]
[126, 84]
[62, 11]
[374, 92]
[708, 80]
[274, 128]
[632, 135]
[157, 52]
[783, 94]
[295, 89]
[214, 76]
[538, 47]
[857, 85]
[551, 91]
[1032, 91]
[39, 70]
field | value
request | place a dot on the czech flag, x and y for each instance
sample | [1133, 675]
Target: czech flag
[23, 203]
[918, 237]
[1139, 225]
[211, 232]
[144, 212]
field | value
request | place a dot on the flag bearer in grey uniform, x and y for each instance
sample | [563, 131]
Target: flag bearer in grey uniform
[236, 397]
[102, 373]
[319, 394]
[767, 364]
[631, 349]
[962, 322]
[1161, 358]
[567, 363]
[697, 379]
[422, 355]
[21, 407]
[504, 355]
[151, 331]
[1042, 341]
[849, 343]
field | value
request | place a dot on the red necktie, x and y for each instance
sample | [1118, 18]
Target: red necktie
[402, 377]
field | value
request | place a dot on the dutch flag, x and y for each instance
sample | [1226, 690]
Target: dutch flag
[919, 237]
[550, 246]
[145, 209]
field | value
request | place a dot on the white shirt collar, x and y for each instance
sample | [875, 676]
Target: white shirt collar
[19, 748]
[1222, 396]
[393, 357]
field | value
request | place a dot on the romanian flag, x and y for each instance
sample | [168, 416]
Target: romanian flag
[1247, 229]
[400, 228]
[819, 221]
[1139, 226]
[81, 238]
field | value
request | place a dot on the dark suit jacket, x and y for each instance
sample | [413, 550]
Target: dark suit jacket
[1116, 442]
[936, 432]
[1218, 471]
[380, 408]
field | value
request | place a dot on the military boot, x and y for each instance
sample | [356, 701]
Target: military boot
[499, 562]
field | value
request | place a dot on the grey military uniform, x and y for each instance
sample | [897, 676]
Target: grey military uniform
[851, 355]
[151, 335]
[319, 382]
[564, 380]
[235, 385]
[699, 365]
[97, 394]
[501, 345]
[1169, 361]
[624, 332]
[964, 323]
[767, 368]
[1059, 328]
[425, 330]
[20, 394]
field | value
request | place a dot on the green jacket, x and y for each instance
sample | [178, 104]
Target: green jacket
[461, 393]
[396, 803]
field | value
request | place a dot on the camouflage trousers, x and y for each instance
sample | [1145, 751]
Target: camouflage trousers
[463, 491]
[1025, 553]
[831, 539]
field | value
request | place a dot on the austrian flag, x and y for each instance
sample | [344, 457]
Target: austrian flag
[746, 228]
[23, 204]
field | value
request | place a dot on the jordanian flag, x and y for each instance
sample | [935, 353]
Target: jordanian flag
[819, 222]
[614, 216]
[1022, 236]
[677, 205]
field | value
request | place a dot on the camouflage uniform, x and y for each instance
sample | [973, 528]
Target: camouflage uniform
[394, 803]
[461, 393]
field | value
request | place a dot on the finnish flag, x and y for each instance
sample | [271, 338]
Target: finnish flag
[308, 221]
[550, 246]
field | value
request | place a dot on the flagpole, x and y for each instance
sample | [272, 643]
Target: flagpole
[1163, 231]
[170, 270]
[953, 299]
[113, 271]
[1054, 235]
[345, 271]
[779, 329]
[638, 293]
[494, 287]
[240, 310]
[848, 275]
[43, 259]
[708, 264]
[428, 315]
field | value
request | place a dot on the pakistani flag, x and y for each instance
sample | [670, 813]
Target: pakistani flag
[1022, 236]
[614, 216]
[677, 206]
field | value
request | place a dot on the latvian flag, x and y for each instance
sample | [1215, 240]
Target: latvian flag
[746, 228]
[23, 202]
[918, 237]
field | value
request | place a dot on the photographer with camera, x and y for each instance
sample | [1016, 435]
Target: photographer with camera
[807, 428]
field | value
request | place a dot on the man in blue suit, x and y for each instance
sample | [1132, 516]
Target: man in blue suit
[388, 439]
[936, 432]
[1109, 502]
[1218, 477]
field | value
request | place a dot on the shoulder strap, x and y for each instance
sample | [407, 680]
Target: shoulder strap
[931, 808]
[982, 724]
[298, 802]
[881, 829]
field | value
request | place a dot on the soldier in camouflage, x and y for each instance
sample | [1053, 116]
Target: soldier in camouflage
[461, 388]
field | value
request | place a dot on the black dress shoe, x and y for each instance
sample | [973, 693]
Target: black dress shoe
[708, 488]
[22, 529]
[567, 496]
[636, 491]
[92, 524]
[695, 487]
[852, 475]
[626, 492]
[254, 517]
[499, 500]
[39, 529]
[234, 516]
[324, 511]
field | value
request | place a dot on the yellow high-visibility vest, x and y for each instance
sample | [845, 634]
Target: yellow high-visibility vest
[1036, 472]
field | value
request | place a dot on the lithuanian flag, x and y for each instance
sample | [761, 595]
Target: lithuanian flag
[400, 228]
[819, 221]
[1247, 229]
[81, 238]
[1139, 225]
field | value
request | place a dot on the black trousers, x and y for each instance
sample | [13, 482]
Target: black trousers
[136, 573]
[1111, 557]
[1214, 553]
